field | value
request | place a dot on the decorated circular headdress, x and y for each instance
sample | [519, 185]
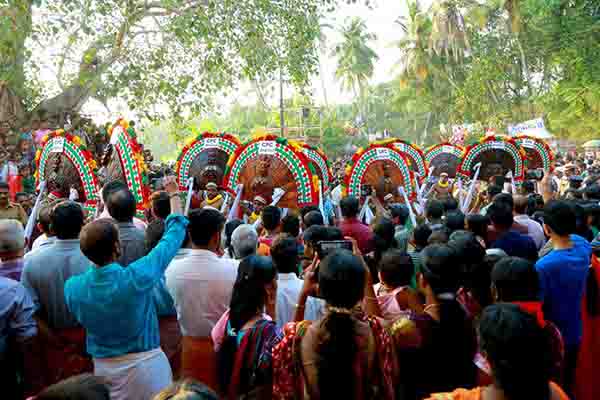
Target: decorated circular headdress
[382, 167]
[320, 162]
[205, 158]
[124, 161]
[497, 155]
[413, 153]
[537, 152]
[64, 162]
[267, 162]
[445, 157]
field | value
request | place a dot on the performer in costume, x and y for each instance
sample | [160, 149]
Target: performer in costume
[212, 197]
[262, 184]
[259, 203]
[443, 189]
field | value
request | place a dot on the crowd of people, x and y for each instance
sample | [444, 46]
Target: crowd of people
[500, 303]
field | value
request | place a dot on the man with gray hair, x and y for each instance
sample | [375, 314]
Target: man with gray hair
[244, 241]
[12, 248]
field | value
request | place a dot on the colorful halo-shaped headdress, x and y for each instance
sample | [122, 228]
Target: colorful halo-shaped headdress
[225, 142]
[445, 157]
[318, 157]
[124, 139]
[498, 149]
[288, 153]
[413, 153]
[76, 152]
[538, 153]
[357, 167]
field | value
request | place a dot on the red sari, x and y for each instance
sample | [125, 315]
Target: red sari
[288, 378]
[587, 385]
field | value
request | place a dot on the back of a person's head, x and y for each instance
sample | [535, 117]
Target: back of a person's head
[154, 232]
[204, 224]
[559, 216]
[290, 224]
[121, 205]
[383, 235]
[284, 252]
[80, 387]
[450, 204]
[230, 227]
[98, 240]
[518, 352]
[349, 206]
[475, 272]
[454, 340]
[248, 299]
[421, 235]
[271, 217]
[515, 279]
[438, 236]
[478, 224]
[315, 234]
[67, 219]
[306, 209]
[493, 191]
[396, 268]
[505, 198]
[455, 220]
[244, 241]
[501, 215]
[333, 233]
[12, 236]
[521, 203]
[161, 204]
[400, 212]
[187, 389]
[313, 218]
[342, 279]
[112, 187]
[44, 218]
[434, 209]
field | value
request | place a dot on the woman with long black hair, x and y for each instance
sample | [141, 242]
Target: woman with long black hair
[436, 341]
[344, 355]
[246, 334]
[515, 347]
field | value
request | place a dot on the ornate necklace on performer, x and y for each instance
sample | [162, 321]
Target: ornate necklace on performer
[443, 185]
[210, 202]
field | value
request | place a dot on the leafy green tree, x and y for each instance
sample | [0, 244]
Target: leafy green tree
[156, 55]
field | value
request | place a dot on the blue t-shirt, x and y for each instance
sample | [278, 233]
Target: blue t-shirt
[563, 276]
[516, 244]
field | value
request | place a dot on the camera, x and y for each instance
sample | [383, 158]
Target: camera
[325, 247]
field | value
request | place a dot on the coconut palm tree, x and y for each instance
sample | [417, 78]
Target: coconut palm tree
[415, 59]
[355, 59]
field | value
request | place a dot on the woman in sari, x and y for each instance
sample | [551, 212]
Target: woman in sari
[345, 354]
[245, 335]
[514, 345]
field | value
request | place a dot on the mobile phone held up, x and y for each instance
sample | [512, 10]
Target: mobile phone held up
[325, 247]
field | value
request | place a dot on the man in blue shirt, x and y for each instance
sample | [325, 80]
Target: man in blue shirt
[563, 274]
[513, 243]
[115, 306]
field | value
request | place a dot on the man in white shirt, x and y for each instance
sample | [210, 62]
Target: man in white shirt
[201, 283]
[284, 253]
[534, 229]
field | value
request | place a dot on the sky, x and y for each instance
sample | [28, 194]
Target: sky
[380, 18]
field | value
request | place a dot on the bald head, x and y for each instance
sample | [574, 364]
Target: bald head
[99, 241]
[520, 204]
